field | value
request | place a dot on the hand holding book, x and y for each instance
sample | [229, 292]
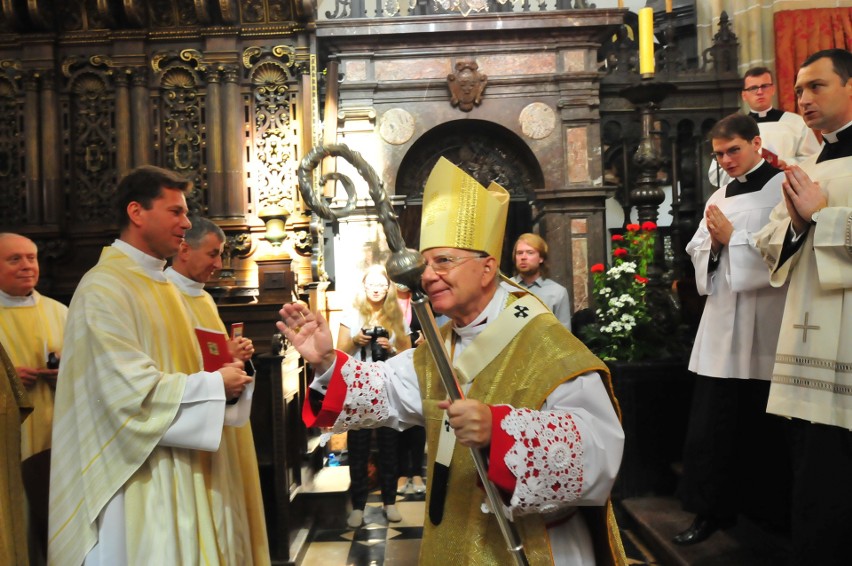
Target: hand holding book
[217, 357]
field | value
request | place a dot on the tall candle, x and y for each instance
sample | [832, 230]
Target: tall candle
[668, 6]
[646, 41]
[621, 3]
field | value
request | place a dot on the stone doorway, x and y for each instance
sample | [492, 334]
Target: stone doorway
[488, 152]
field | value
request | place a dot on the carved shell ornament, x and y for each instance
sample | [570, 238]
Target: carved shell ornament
[466, 85]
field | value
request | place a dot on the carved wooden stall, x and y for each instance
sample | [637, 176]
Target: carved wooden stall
[222, 92]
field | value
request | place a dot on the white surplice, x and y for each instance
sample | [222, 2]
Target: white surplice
[738, 332]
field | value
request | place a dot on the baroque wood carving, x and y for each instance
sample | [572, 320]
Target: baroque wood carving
[276, 136]
[12, 187]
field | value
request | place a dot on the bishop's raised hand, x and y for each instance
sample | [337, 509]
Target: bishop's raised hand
[309, 333]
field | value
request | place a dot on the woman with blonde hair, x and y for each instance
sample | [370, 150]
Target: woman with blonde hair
[373, 330]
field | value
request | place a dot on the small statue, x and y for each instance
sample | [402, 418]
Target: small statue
[466, 85]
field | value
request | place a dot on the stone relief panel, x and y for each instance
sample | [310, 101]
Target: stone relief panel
[396, 126]
[466, 85]
[538, 120]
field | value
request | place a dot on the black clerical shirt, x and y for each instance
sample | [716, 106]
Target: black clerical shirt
[754, 181]
[836, 150]
[830, 150]
[772, 115]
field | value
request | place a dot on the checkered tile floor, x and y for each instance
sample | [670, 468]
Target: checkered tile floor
[379, 543]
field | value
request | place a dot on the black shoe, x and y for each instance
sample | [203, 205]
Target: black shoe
[701, 529]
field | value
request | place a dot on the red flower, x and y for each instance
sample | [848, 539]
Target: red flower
[620, 252]
[632, 227]
[617, 238]
[649, 226]
[641, 279]
[598, 268]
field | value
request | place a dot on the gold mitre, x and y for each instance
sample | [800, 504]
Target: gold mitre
[458, 212]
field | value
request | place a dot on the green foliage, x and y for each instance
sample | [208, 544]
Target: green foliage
[623, 328]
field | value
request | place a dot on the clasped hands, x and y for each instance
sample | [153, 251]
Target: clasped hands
[309, 333]
[802, 196]
[720, 228]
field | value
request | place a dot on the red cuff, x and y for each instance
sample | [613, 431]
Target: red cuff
[501, 443]
[332, 404]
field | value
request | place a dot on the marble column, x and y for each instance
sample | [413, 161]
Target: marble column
[216, 201]
[234, 142]
[123, 130]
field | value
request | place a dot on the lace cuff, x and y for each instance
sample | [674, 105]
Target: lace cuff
[546, 458]
[366, 403]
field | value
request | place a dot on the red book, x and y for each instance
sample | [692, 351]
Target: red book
[214, 348]
[769, 156]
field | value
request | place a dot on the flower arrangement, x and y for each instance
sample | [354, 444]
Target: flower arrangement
[623, 328]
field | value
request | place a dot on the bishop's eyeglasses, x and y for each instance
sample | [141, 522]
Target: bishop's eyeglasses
[443, 264]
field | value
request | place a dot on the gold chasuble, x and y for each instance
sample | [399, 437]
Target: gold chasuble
[812, 379]
[29, 333]
[14, 406]
[129, 349]
[540, 357]
[236, 495]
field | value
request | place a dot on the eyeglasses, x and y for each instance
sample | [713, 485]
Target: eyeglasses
[376, 287]
[443, 264]
[732, 153]
[755, 88]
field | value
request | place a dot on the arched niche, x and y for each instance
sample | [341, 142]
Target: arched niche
[488, 152]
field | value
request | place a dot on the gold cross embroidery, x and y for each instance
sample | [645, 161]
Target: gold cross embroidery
[805, 327]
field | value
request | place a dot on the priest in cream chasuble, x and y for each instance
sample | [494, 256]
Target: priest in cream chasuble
[135, 419]
[808, 242]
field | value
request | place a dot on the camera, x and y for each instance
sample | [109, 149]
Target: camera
[378, 353]
[52, 361]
